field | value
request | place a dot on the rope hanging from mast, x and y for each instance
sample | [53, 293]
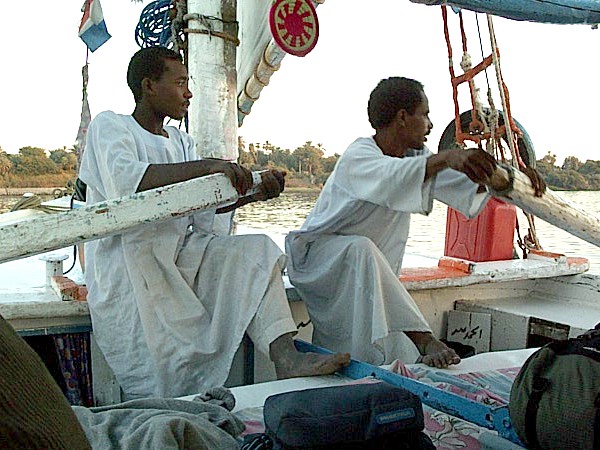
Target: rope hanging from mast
[485, 123]
[531, 239]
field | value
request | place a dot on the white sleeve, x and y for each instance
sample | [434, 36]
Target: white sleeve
[188, 144]
[456, 190]
[112, 163]
[396, 183]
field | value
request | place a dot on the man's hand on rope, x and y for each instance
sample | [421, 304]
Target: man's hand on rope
[537, 182]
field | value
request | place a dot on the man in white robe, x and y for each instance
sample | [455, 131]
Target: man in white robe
[345, 260]
[170, 302]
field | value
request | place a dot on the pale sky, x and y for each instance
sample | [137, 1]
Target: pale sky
[551, 71]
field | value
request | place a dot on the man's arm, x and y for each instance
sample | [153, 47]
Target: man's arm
[163, 174]
[273, 181]
[477, 164]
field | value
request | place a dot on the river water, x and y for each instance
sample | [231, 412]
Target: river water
[427, 233]
[278, 216]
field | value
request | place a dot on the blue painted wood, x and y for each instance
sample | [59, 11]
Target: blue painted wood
[546, 11]
[485, 416]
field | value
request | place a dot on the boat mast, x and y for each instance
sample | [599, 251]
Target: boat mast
[212, 40]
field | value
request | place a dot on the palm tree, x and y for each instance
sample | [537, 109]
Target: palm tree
[5, 166]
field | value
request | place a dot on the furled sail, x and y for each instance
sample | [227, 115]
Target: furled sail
[258, 55]
[254, 35]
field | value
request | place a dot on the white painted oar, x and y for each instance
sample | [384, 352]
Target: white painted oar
[549, 207]
[53, 231]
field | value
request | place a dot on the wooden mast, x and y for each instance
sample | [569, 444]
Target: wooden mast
[212, 41]
[212, 36]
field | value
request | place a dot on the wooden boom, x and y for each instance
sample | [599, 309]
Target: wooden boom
[548, 207]
[53, 231]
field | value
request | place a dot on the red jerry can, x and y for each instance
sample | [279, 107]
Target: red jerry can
[488, 237]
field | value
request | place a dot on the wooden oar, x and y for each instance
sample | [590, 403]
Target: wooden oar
[549, 207]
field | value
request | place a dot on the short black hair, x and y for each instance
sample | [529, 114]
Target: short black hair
[390, 96]
[148, 63]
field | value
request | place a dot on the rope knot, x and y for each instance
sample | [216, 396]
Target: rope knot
[466, 63]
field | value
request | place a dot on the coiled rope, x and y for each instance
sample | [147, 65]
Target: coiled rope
[163, 23]
[154, 26]
[32, 201]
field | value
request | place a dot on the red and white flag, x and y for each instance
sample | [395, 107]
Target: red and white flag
[92, 30]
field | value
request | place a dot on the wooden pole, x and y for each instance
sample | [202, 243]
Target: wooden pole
[212, 31]
[549, 207]
[41, 234]
[212, 40]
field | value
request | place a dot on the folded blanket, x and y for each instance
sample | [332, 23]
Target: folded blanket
[158, 423]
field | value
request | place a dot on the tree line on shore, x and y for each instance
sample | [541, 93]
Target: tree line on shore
[572, 175]
[36, 167]
[307, 165]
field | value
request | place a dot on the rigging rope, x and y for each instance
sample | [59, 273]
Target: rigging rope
[32, 201]
[485, 126]
[163, 23]
[512, 140]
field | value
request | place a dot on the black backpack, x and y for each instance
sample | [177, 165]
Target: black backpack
[348, 417]
[555, 398]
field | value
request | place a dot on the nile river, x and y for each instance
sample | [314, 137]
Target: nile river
[427, 232]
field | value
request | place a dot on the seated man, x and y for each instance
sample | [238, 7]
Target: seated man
[346, 258]
[170, 302]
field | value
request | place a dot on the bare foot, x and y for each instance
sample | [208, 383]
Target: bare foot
[290, 363]
[308, 364]
[434, 352]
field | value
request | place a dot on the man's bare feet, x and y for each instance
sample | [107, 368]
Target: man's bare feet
[434, 352]
[310, 364]
[290, 363]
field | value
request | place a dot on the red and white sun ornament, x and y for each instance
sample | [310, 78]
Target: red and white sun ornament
[294, 26]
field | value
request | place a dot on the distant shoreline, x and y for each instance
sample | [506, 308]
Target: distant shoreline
[302, 189]
[13, 191]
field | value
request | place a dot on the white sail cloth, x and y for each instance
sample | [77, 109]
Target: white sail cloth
[346, 258]
[170, 302]
[254, 35]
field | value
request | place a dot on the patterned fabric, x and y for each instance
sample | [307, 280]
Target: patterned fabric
[490, 387]
[72, 350]
[449, 433]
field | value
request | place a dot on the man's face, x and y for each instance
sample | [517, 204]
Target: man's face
[418, 125]
[172, 96]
